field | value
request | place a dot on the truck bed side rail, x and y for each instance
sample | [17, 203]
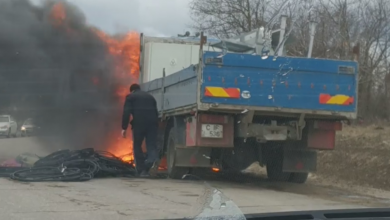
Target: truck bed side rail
[282, 84]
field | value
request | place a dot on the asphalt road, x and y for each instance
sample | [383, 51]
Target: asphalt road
[130, 198]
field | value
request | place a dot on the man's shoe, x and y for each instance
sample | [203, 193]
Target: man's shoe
[154, 169]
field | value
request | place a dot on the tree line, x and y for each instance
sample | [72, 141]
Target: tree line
[345, 30]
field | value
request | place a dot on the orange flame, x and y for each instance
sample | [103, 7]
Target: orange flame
[58, 14]
[58, 17]
[122, 148]
[126, 50]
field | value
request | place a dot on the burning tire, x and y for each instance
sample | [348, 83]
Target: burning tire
[174, 172]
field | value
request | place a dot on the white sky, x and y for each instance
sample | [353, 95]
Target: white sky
[152, 17]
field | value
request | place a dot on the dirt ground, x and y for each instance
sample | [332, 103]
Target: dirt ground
[361, 158]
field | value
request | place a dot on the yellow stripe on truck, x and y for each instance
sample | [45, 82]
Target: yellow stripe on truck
[338, 99]
[217, 92]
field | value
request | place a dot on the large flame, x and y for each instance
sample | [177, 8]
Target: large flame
[126, 51]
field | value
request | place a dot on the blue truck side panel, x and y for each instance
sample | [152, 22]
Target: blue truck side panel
[284, 82]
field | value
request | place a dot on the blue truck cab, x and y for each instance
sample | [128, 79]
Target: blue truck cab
[228, 110]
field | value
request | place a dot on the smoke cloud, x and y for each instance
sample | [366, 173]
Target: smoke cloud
[55, 68]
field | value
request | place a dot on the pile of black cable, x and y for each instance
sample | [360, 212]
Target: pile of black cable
[78, 165]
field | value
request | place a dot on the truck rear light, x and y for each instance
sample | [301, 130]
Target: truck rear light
[328, 125]
[215, 169]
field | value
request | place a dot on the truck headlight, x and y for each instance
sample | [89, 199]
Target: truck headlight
[23, 128]
[5, 127]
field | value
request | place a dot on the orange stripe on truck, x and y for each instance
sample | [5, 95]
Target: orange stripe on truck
[336, 99]
[220, 92]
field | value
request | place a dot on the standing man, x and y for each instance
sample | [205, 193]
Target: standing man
[143, 107]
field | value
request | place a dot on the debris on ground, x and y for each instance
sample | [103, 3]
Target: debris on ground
[10, 163]
[69, 165]
[22, 160]
[27, 159]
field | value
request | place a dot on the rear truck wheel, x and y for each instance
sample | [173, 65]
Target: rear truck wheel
[174, 172]
[298, 177]
[290, 162]
[241, 156]
[275, 166]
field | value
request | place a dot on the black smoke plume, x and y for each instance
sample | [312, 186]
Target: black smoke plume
[55, 69]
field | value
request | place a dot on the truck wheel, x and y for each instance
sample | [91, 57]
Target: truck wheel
[298, 177]
[9, 133]
[241, 156]
[173, 171]
[275, 166]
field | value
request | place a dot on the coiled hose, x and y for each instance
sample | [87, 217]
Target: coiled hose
[67, 165]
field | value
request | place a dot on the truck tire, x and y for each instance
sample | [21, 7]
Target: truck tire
[9, 133]
[298, 177]
[275, 166]
[241, 156]
[173, 171]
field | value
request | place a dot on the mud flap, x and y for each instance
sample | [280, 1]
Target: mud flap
[193, 157]
[299, 160]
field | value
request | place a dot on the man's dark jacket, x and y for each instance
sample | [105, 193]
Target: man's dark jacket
[143, 107]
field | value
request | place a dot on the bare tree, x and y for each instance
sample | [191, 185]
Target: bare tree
[346, 30]
[227, 18]
[347, 24]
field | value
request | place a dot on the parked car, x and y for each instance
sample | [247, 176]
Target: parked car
[28, 127]
[8, 126]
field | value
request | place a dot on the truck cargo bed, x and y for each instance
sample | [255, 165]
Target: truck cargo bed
[241, 81]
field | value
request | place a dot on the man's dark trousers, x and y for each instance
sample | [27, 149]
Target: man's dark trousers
[149, 133]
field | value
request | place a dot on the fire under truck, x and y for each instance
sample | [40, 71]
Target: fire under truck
[225, 104]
